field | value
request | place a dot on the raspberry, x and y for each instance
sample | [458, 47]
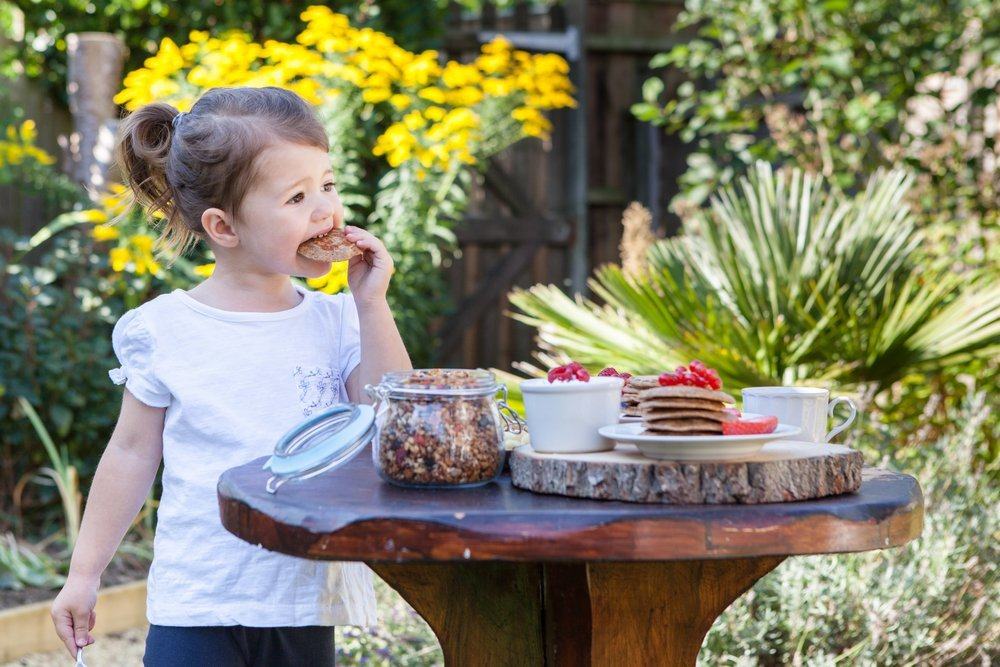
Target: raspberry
[753, 426]
[610, 371]
[570, 371]
[696, 374]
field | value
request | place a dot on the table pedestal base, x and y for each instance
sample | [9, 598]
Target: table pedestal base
[592, 613]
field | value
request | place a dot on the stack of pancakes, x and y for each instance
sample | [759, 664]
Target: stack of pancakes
[682, 410]
[630, 393]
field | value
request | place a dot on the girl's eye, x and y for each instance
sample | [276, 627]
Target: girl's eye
[327, 187]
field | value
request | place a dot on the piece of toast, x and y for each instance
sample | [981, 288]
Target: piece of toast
[333, 247]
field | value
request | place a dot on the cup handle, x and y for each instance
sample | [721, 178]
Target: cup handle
[847, 422]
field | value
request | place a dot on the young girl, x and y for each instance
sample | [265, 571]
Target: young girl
[215, 375]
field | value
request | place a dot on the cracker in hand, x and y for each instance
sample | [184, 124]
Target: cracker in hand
[331, 247]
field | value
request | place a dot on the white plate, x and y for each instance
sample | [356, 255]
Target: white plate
[694, 447]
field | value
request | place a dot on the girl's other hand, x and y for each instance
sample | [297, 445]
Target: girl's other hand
[368, 274]
[73, 612]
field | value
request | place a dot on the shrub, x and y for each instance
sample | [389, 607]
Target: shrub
[782, 282]
[931, 602]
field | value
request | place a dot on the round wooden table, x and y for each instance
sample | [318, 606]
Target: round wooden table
[509, 577]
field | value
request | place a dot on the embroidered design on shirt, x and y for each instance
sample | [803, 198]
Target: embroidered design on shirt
[319, 388]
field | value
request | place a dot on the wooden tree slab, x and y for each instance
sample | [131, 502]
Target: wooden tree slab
[782, 471]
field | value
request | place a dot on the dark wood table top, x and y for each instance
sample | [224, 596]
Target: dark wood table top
[351, 514]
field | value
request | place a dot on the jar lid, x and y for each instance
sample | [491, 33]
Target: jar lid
[321, 443]
[441, 381]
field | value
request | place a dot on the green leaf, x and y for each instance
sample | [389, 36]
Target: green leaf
[645, 111]
[651, 89]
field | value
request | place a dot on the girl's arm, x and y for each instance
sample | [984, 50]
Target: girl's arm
[122, 482]
[382, 348]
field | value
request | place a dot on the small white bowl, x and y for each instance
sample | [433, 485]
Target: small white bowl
[563, 417]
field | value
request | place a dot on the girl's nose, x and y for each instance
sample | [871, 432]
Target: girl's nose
[323, 211]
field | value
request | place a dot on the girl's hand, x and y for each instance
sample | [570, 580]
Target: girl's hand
[368, 274]
[73, 613]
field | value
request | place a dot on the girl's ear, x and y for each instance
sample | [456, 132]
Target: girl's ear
[218, 226]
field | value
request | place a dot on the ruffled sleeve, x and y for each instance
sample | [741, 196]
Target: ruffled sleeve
[134, 346]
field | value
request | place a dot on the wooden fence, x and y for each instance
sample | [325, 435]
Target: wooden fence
[551, 213]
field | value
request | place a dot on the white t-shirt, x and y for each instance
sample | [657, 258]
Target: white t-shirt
[232, 384]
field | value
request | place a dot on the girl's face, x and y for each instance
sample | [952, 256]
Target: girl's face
[293, 200]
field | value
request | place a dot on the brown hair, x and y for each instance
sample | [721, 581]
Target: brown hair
[182, 164]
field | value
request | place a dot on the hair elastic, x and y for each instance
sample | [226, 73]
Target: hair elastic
[177, 119]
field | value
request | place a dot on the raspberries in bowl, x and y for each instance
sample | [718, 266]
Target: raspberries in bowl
[565, 409]
[571, 371]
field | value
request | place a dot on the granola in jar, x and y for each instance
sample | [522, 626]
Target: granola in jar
[440, 427]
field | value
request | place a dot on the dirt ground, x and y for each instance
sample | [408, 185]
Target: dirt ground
[124, 650]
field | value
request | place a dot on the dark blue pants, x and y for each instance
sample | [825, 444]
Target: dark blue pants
[239, 646]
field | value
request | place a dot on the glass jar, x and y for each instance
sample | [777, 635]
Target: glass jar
[440, 427]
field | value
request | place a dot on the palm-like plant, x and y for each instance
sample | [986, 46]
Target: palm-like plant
[783, 281]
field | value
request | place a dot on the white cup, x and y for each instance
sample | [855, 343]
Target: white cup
[805, 407]
[564, 416]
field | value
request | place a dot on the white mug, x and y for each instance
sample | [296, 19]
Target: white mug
[805, 407]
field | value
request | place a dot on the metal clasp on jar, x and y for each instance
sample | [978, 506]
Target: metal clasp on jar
[376, 392]
[512, 421]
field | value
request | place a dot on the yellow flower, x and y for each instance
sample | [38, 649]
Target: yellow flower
[421, 70]
[498, 87]
[143, 242]
[334, 281]
[493, 63]
[205, 270]
[94, 215]
[414, 121]
[378, 80]
[20, 147]
[396, 143]
[550, 63]
[376, 95]
[104, 233]
[400, 101]
[426, 157]
[461, 119]
[434, 113]
[432, 94]
[119, 258]
[525, 114]
[465, 97]
[498, 44]
[457, 75]
[28, 132]
[533, 130]
[308, 89]
[330, 59]
[168, 58]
